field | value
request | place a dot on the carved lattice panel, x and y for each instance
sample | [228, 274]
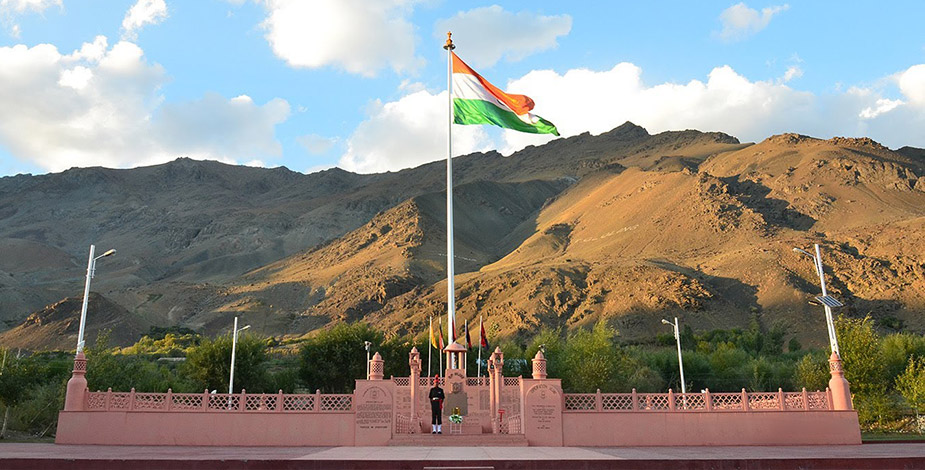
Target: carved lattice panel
[186, 401]
[616, 401]
[690, 402]
[260, 403]
[653, 401]
[818, 401]
[96, 401]
[727, 401]
[150, 401]
[579, 401]
[793, 401]
[336, 402]
[119, 401]
[298, 402]
[763, 401]
[224, 402]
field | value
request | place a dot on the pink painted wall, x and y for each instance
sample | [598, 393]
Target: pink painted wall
[767, 428]
[206, 429]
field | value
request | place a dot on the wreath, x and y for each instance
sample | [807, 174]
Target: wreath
[455, 417]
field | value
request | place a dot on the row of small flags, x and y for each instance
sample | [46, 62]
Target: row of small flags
[483, 339]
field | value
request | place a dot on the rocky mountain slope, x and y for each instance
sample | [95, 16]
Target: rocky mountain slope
[624, 226]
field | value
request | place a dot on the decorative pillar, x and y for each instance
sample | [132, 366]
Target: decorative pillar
[414, 361]
[840, 390]
[495, 366]
[76, 398]
[376, 367]
[539, 365]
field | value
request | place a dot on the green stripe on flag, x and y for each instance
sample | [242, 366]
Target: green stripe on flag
[482, 112]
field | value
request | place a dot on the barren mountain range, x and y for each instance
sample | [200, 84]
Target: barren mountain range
[624, 226]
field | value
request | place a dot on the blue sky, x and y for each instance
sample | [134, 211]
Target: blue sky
[357, 84]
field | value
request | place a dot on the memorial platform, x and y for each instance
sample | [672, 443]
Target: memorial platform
[463, 440]
[849, 457]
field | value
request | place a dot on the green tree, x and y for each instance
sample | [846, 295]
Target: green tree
[593, 361]
[812, 372]
[911, 384]
[334, 359]
[209, 364]
[17, 377]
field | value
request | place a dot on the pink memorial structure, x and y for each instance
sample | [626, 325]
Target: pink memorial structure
[496, 410]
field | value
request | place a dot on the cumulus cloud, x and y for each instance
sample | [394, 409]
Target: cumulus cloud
[582, 100]
[315, 144]
[407, 133]
[143, 12]
[912, 84]
[101, 105]
[739, 21]
[490, 33]
[358, 36]
[11, 9]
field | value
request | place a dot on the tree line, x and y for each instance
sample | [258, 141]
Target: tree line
[886, 372]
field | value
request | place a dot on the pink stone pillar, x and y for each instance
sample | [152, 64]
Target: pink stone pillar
[539, 365]
[840, 390]
[376, 367]
[414, 361]
[495, 366]
[76, 398]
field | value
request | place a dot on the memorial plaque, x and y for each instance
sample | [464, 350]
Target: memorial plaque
[543, 413]
[373, 413]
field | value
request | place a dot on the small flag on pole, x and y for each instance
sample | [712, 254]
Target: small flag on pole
[468, 340]
[440, 332]
[483, 339]
[433, 339]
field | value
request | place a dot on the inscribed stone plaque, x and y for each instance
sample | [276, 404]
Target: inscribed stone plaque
[373, 412]
[543, 413]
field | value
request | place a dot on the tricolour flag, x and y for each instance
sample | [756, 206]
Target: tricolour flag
[440, 332]
[475, 101]
[433, 339]
[484, 339]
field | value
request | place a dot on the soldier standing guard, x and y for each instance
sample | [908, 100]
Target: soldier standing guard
[436, 406]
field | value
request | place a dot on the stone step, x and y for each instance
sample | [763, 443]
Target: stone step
[457, 440]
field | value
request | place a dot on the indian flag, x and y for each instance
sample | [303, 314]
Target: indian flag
[475, 101]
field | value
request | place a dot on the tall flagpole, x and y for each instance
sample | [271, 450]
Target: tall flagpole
[450, 255]
[430, 346]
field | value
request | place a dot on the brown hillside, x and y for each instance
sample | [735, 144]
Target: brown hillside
[56, 326]
[625, 226]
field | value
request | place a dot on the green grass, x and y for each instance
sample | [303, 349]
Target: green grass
[874, 436]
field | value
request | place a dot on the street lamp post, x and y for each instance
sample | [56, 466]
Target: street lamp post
[234, 343]
[91, 269]
[677, 337]
[826, 301]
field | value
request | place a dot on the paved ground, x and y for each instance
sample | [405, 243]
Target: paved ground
[867, 456]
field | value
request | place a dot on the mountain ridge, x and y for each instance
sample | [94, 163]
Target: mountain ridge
[625, 227]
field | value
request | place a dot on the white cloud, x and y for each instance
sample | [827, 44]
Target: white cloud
[739, 21]
[407, 133]
[792, 72]
[11, 9]
[358, 36]
[315, 144]
[143, 12]
[101, 105]
[411, 130]
[912, 84]
[487, 34]
[881, 106]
